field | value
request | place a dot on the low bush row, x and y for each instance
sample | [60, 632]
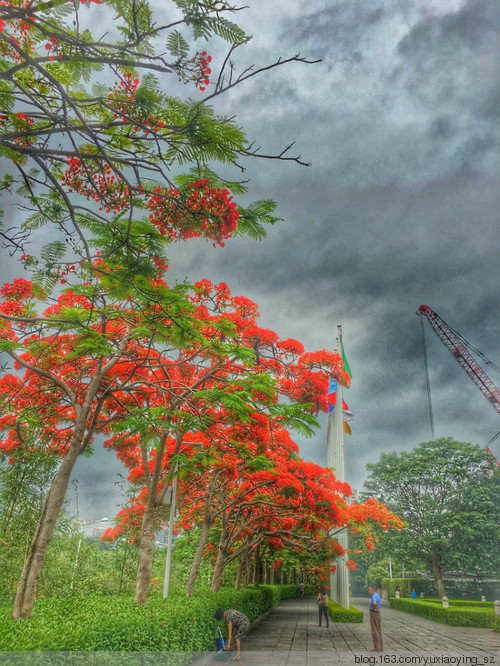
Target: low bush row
[458, 616]
[462, 602]
[340, 614]
[110, 623]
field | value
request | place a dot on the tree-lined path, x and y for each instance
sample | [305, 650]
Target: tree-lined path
[290, 635]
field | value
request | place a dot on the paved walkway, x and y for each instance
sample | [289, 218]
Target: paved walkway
[289, 636]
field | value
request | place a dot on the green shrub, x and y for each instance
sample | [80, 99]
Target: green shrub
[457, 616]
[494, 622]
[428, 587]
[108, 623]
[340, 614]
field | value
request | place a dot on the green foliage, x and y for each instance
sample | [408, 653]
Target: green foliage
[115, 623]
[455, 615]
[441, 489]
[23, 485]
[177, 45]
[376, 573]
[340, 614]
[405, 585]
[494, 622]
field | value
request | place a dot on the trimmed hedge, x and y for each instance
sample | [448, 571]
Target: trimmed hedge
[457, 616]
[108, 623]
[458, 589]
[340, 614]
[462, 602]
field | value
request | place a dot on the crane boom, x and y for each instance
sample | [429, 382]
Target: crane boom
[454, 345]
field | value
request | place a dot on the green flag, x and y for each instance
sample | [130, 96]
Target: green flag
[346, 366]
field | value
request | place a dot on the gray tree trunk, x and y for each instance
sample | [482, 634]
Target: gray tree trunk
[198, 558]
[143, 582]
[438, 577]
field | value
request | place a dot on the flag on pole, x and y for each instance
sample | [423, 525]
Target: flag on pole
[346, 366]
[332, 401]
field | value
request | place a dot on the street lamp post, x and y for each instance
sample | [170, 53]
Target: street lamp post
[171, 497]
[81, 524]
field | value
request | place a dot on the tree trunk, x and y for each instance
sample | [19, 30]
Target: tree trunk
[220, 562]
[205, 530]
[145, 568]
[256, 571]
[28, 583]
[271, 577]
[239, 575]
[193, 574]
[143, 582]
[248, 568]
[218, 571]
[281, 576]
[437, 570]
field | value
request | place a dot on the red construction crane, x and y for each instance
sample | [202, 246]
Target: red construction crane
[454, 343]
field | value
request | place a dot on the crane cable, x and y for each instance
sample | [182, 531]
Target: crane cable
[474, 349]
[493, 439]
[431, 415]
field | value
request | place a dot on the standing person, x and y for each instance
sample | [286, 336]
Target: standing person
[375, 604]
[413, 593]
[301, 588]
[397, 593]
[237, 625]
[322, 601]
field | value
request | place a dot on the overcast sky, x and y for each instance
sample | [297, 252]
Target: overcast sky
[400, 207]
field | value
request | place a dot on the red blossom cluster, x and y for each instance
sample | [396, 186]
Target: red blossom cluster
[53, 48]
[202, 80]
[122, 94]
[19, 34]
[205, 211]
[97, 182]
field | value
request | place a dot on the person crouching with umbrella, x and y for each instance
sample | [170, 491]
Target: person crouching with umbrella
[237, 625]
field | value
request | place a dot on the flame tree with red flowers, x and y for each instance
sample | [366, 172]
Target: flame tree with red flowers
[209, 389]
[102, 150]
[276, 501]
[231, 431]
[74, 359]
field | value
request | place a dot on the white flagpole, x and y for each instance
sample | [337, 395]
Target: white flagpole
[339, 581]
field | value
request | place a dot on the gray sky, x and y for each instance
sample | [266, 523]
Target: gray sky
[400, 207]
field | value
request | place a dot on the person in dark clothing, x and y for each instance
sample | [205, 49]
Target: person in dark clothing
[237, 625]
[322, 601]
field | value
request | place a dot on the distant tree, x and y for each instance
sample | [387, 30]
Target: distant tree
[376, 573]
[443, 491]
[388, 544]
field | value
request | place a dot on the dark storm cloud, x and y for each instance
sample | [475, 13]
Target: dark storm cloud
[337, 31]
[419, 102]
